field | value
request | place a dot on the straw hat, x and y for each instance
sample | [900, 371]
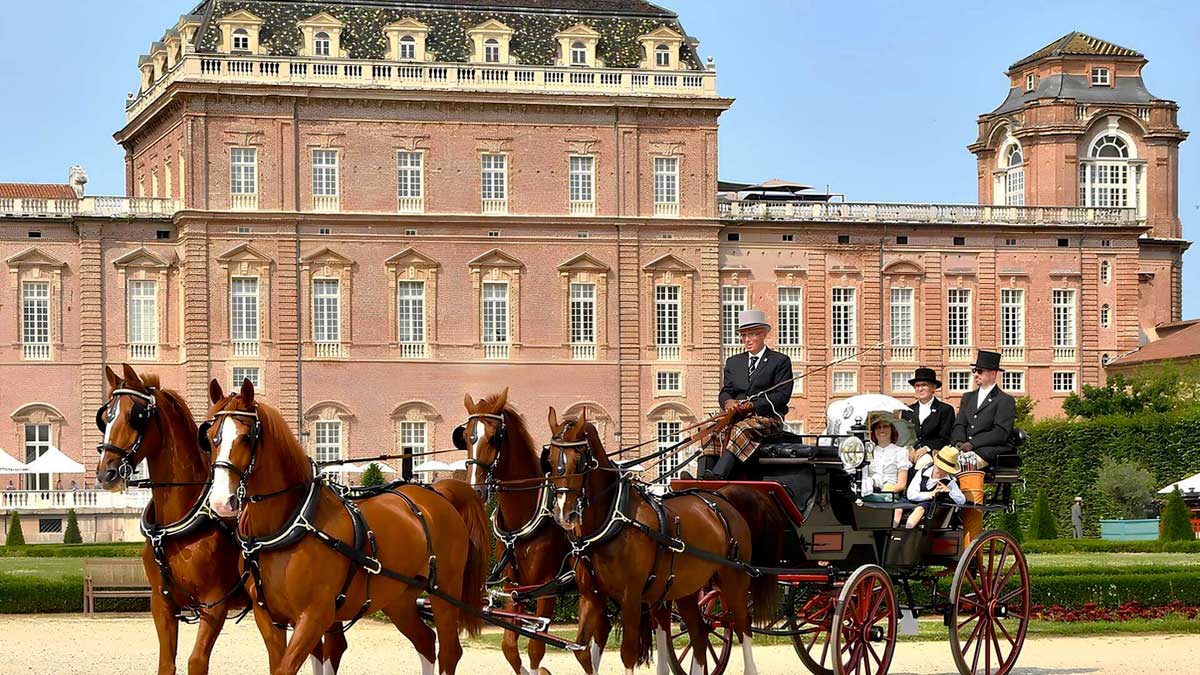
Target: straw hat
[923, 461]
[903, 433]
[947, 460]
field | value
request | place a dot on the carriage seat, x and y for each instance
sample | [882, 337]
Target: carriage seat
[789, 448]
[1007, 467]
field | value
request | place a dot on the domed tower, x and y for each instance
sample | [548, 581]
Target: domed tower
[1080, 129]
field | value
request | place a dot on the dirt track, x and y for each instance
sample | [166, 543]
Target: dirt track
[120, 645]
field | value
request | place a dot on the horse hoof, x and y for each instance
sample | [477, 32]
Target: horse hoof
[542, 671]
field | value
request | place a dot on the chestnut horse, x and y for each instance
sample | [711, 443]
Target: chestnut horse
[192, 558]
[317, 558]
[644, 553]
[530, 549]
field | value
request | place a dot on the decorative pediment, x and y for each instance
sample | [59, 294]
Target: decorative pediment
[490, 27]
[37, 413]
[583, 262]
[329, 410]
[33, 257]
[408, 25]
[410, 257]
[495, 258]
[663, 33]
[243, 253]
[240, 18]
[671, 411]
[668, 263]
[579, 30]
[321, 20]
[326, 256]
[416, 411]
[144, 258]
[903, 267]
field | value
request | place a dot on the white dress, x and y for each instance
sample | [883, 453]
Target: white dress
[889, 461]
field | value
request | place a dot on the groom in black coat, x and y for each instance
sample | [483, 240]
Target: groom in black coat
[986, 416]
[932, 417]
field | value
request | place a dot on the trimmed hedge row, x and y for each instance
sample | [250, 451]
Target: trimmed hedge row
[33, 595]
[1110, 546]
[123, 550]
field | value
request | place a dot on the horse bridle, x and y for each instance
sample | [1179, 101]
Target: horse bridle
[255, 435]
[139, 419]
[497, 440]
[559, 471]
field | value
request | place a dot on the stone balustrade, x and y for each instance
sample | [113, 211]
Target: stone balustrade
[103, 207]
[869, 212]
[38, 500]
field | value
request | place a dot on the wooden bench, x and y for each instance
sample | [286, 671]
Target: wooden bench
[113, 578]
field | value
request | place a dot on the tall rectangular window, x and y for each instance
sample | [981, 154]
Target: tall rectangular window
[666, 315]
[900, 380]
[243, 309]
[495, 177]
[37, 443]
[1012, 317]
[958, 317]
[1063, 381]
[844, 313]
[1064, 317]
[243, 171]
[959, 380]
[582, 179]
[733, 301]
[666, 180]
[845, 382]
[668, 435]
[1012, 380]
[410, 175]
[495, 313]
[583, 314]
[902, 318]
[142, 312]
[791, 317]
[327, 303]
[328, 435]
[325, 173]
[35, 319]
[413, 441]
[240, 374]
[410, 312]
[668, 381]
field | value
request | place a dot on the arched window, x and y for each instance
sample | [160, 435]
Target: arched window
[241, 40]
[1014, 177]
[662, 56]
[1107, 176]
[1105, 316]
[578, 54]
[408, 47]
[1105, 271]
[322, 45]
[491, 50]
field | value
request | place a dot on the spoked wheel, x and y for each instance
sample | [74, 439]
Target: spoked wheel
[864, 624]
[990, 611]
[810, 615]
[719, 637]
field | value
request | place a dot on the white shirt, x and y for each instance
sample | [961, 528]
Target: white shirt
[758, 356]
[924, 409]
[889, 461]
[921, 488]
[981, 397]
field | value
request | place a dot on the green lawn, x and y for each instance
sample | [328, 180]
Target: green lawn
[46, 568]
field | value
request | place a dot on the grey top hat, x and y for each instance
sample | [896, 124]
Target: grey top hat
[752, 318]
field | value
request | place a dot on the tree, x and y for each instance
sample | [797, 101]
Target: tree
[1024, 411]
[1128, 484]
[1176, 519]
[1041, 521]
[72, 535]
[1011, 523]
[15, 536]
[1152, 388]
[372, 476]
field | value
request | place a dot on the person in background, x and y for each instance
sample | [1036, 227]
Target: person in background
[935, 478]
[10, 486]
[1077, 518]
[74, 486]
[58, 485]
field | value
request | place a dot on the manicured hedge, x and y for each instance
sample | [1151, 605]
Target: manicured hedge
[1110, 546]
[34, 595]
[122, 550]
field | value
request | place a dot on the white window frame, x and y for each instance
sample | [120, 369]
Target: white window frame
[1110, 175]
[900, 380]
[35, 315]
[243, 175]
[790, 310]
[667, 377]
[667, 433]
[958, 317]
[1105, 315]
[1014, 175]
[410, 313]
[1012, 317]
[1063, 381]
[844, 316]
[35, 447]
[1064, 316]
[1105, 272]
[493, 175]
[241, 40]
[322, 44]
[844, 382]
[666, 181]
[668, 319]
[326, 170]
[1101, 76]
[141, 316]
[1030, 82]
[581, 183]
[958, 381]
[579, 54]
[495, 311]
[733, 302]
[1013, 380]
[902, 309]
[410, 180]
[252, 373]
[582, 308]
[491, 50]
[408, 48]
[327, 310]
[328, 441]
[662, 55]
[414, 440]
[245, 316]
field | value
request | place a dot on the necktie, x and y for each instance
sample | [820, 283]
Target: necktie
[753, 364]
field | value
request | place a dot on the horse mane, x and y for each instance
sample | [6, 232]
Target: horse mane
[592, 434]
[180, 407]
[274, 427]
[518, 430]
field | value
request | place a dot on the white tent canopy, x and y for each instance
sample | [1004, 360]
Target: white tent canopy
[54, 461]
[1190, 484]
[345, 467]
[10, 465]
[460, 465]
[431, 465]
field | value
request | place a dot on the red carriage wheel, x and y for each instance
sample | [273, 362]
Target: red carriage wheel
[810, 615]
[719, 630]
[864, 624]
[990, 610]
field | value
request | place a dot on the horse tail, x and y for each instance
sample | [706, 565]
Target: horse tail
[768, 527]
[470, 507]
[646, 637]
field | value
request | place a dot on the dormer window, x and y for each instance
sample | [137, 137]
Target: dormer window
[491, 50]
[1030, 82]
[1100, 77]
[241, 40]
[579, 54]
[490, 42]
[322, 45]
[662, 56]
[408, 48]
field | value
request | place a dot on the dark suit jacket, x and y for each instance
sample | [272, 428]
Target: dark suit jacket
[986, 426]
[934, 432]
[774, 368]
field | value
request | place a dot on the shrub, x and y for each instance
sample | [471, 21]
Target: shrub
[1041, 522]
[1110, 546]
[372, 476]
[1024, 411]
[1010, 522]
[122, 550]
[1176, 520]
[1128, 484]
[15, 536]
[72, 535]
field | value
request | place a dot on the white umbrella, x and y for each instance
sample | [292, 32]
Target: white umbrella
[347, 467]
[460, 465]
[10, 465]
[431, 465]
[1190, 484]
[54, 461]
[632, 468]
[382, 467]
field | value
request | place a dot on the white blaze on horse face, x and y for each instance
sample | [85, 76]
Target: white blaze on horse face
[475, 477]
[218, 497]
[115, 416]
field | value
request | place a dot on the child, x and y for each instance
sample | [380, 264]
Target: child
[934, 477]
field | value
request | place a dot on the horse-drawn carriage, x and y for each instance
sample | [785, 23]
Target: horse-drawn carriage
[852, 582]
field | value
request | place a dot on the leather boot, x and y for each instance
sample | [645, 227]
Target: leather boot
[724, 467]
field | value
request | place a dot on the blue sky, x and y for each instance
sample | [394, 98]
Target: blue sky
[875, 99]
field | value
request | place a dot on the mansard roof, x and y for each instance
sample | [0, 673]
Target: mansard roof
[1078, 44]
[535, 24]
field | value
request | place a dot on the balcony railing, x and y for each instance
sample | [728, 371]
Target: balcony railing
[666, 209]
[844, 352]
[495, 207]
[360, 73]
[495, 350]
[330, 350]
[958, 354]
[903, 354]
[868, 212]
[36, 351]
[583, 352]
[731, 350]
[411, 205]
[245, 348]
[793, 352]
[583, 208]
[1012, 353]
[35, 500]
[326, 203]
[669, 352]
[90, 206]
[143, 352]
[412, 350]
[1064, 353]
[243, 202]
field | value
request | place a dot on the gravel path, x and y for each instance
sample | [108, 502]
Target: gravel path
[125, 644]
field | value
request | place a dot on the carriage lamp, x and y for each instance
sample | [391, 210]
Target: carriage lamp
[853, 452]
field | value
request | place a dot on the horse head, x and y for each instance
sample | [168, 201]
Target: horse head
[571, 456]
[231, 436]
[131, 427]
[483, 435]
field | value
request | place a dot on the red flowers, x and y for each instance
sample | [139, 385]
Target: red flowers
[1127, 611]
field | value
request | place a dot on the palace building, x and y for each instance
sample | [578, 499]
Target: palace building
[372, 207]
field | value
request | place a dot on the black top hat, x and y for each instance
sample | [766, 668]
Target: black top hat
[987, 360]
[926, 375]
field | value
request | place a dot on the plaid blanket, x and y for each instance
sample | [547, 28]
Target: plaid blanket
[742, 437]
